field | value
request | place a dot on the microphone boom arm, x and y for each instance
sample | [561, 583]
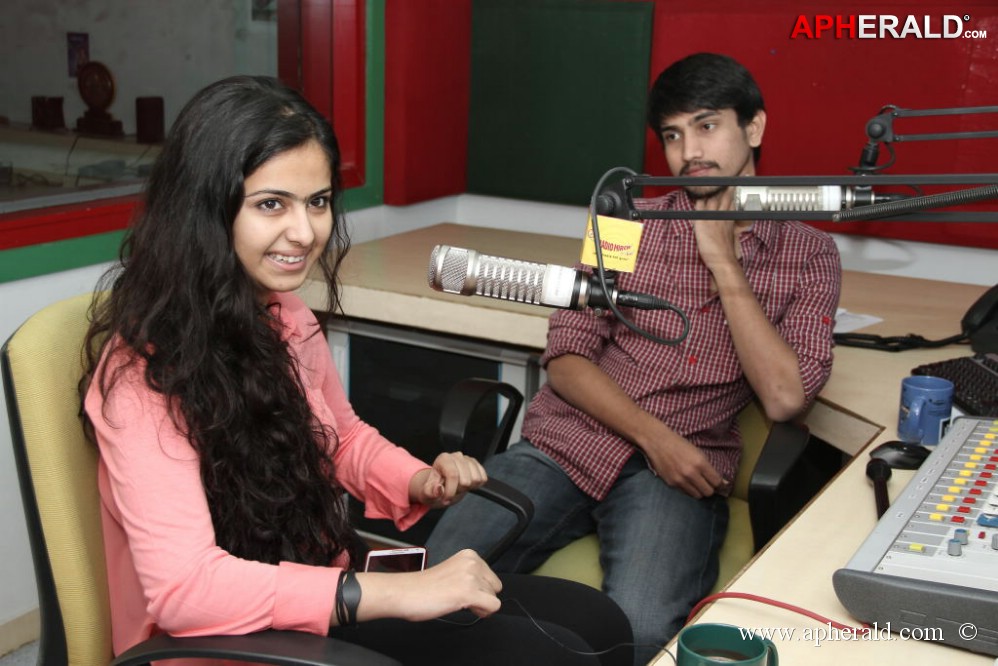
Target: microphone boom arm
[621, 205]
[880, 128]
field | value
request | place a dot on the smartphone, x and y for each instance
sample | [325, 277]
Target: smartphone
[396, 560]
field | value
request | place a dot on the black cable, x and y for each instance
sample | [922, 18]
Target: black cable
[557, 642]
[890, 162]
[871, 151]
[601, 273]
[580, 652]
[894, 343]
[135, 162]
[879, 472]
[69, 155]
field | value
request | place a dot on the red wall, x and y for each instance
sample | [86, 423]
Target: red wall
[427, 79]
[819, 92]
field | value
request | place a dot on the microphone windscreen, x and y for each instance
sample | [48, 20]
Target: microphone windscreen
[432, 271]
[449, 269]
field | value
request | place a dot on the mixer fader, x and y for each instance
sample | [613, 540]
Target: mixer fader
[932, 559]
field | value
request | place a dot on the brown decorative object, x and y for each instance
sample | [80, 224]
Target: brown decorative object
[149, 119]
[96, 86]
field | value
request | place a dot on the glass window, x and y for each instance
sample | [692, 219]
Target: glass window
[88, 88]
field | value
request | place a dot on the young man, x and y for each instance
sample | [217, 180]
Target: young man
[636, 440]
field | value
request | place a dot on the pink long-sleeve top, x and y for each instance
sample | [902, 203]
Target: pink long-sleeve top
[165, 571]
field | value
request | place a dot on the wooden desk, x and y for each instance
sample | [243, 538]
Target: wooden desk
[865, 383]
[797, 567]
[386, 280]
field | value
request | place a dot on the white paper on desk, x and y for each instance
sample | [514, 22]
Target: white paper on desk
[846, 322]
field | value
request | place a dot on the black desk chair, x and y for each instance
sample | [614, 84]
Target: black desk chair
[462, 428]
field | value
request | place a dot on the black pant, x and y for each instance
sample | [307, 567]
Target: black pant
[542, 621]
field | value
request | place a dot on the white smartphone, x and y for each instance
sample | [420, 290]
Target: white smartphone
[396, 560]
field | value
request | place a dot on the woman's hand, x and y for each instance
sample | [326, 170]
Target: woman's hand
[450, 478]
[464, 581]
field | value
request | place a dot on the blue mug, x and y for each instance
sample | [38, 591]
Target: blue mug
[926, 407]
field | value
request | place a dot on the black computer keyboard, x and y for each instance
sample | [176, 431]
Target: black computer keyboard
[975, 381]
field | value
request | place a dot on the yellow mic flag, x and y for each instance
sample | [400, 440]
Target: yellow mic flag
[619, 240]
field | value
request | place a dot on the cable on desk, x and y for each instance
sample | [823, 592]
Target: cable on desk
[69, 154]
[894, 343]
[773, 602]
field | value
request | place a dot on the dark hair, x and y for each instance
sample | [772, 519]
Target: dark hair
[704, 81]
[181, 302]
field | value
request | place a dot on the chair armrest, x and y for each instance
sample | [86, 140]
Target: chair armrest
[769, 506]
[460, 404]
[513, 501]
[291, 648]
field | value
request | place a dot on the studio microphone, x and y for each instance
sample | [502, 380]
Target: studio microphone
[456, 270]
[808, 197]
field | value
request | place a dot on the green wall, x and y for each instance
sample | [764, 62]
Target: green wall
[558, 92]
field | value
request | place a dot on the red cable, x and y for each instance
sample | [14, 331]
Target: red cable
[772, 602]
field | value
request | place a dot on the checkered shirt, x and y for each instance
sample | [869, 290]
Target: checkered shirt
[697, 387]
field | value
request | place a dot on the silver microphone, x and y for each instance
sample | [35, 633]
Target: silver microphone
[807, 197]
[456, 270]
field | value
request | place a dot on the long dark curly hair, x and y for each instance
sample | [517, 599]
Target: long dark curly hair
[181, 304]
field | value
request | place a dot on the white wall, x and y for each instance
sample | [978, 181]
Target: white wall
[22, 298]
[152, 47]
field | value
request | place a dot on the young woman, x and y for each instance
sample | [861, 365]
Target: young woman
[226, 440]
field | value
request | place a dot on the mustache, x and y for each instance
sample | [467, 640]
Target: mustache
[689, 166]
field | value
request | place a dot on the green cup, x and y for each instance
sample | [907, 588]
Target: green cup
[713, 644]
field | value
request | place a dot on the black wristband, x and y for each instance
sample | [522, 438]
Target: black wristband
[347, 599]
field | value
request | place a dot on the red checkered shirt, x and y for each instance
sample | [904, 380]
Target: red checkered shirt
[697, 387]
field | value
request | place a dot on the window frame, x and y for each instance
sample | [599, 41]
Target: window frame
[48, 239]
[308, 27]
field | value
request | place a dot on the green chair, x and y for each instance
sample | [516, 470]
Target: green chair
[763, 500]
[57, 472]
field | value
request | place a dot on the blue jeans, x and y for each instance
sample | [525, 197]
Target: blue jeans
[658, 545]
